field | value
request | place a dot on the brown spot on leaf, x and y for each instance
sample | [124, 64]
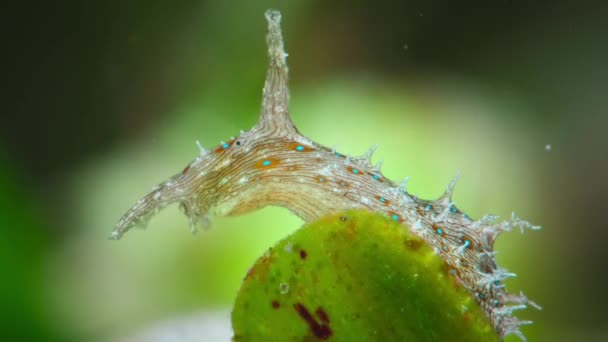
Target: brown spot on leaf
[322, 315]
[321, 331]
[249, 274]
[303, 254]
[444, 268]
[276, 304]
[413, 244]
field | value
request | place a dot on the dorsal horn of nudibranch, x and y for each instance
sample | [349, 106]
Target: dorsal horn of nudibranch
[274, 114]
[201, 149]
[521, 299]
[403, 185]
[378, 166]
[366, 159]
[446, 197]
[484, 221]
[491, 231]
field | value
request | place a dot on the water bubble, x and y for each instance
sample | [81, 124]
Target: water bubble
[284, 288]
[548, 147]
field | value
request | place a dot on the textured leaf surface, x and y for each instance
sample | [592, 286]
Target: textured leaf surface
[355, 276]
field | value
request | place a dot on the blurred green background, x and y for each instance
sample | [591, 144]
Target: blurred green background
[105, 100]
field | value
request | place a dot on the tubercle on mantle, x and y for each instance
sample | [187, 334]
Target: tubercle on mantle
[273, 164]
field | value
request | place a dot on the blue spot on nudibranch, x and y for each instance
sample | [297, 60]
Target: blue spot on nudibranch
[266, 162]
[339, 154]
[496, 282]
[225, 146]
[467, 243]
[428, 207]
[376, 177]
[343, 183]
[355, 171]
[395, 217]
[467, 217]
[299, 148]
[454, 209]
[382, 199]
[439, 231]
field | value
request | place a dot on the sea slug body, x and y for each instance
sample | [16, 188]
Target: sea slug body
[274, 164]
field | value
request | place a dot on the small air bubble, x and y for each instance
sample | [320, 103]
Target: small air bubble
[284, 288]
[548, 147]
[405, 47]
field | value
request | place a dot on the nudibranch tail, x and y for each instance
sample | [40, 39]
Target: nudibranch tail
[146, 207]
[273, 164]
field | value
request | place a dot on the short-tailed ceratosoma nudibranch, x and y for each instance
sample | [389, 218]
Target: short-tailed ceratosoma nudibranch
[273, 164]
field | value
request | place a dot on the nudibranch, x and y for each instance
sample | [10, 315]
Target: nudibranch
[274, 164]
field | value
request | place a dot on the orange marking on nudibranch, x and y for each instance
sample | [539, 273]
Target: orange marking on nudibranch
[186, 169]
[354, 170]
[467, 242]
[224, 146]
[383, 200]
[267, 163]
[295, 146]
[396, 217]
[376, 177]
[438, 229]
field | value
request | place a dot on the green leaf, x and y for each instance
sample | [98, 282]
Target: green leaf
[355, 276]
